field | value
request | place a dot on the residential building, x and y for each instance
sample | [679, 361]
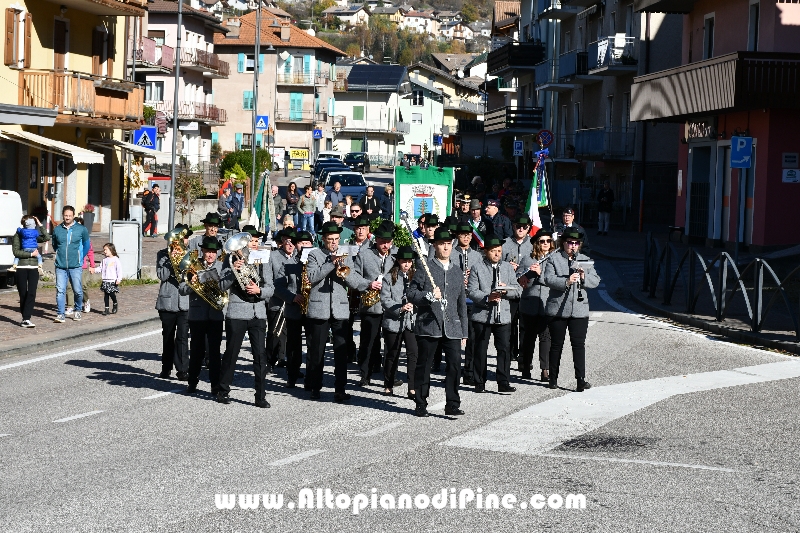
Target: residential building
[65, 105]
[452, 63]
[421, 22]
[448, 16]
[482, 28]
[738, 66]
[423, 107]
[394, 14]
[212, 6]
[368, 117]
[456, 30]
[296, 78]
[348, 15]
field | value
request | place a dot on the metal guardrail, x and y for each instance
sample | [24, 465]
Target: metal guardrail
[756, 272]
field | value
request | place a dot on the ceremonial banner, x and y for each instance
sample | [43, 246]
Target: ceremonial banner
[423, 190]
[538, 196]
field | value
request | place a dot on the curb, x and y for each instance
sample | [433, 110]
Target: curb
[735, 334]
[92, 335]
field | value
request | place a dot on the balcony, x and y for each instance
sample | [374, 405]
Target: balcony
[150, 56]
[574, 67]
[664, 6]
[563, 148]
[206, 62]
[120, 8]
[613, 56]
[515, 56]
[340, 83]
[294, 117]
[547, 78]
[513, 118]
[603, 143]
[209, 114]
[557, 9]
[309, 80]
[376, 126]
[339, 122]
[581, 3]
[469, 126]
[83, 99]
[464, 105]
[740, 81]
[509, 85]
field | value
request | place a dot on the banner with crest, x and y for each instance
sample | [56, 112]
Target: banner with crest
[423, 190]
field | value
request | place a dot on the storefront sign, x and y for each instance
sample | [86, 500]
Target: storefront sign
[790, 160]
[699, 129]
[296, 153]
[791, 175]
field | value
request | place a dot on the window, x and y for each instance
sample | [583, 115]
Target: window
[629, 19]
[247, 140]
[626, 112]
[708, 37]
[417, 98]
[358, 112]
[416, 118]
[95, 188]
[154, 91]
[8, 166]
[247, 100]
[249, 63]
[296, 106]
[752, 31]
[102, 53]
[599, 28]
[609, 111]
[567, 42]
[238, 137]
[613, 23]
[157, 35]
[576, 116]
[18, 38]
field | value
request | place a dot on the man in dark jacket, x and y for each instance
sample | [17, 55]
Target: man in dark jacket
[151, 203]
[605, 204]
[387, 203]
[500, 222]
[369, 204]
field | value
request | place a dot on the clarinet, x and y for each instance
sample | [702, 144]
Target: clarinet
[572, 259]
[496, 307]
[466, 266]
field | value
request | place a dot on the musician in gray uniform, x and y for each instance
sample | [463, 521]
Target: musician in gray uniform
[517, 246]
[440, 298]
[532, 304]
[246, 313]
[328, 310]
[276, 344]
[492, 284]
[212, 223]
[398, 320]
[205, 323]
[372, 264]
[465, 256]
[173, 310]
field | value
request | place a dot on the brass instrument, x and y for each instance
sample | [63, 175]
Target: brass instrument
[237, 248]
[342, 270]
[305, 289]
[209, 289]
[176, 249]
[370, 297]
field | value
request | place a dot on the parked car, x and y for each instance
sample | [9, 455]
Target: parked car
[325, 163]
[358, 161]
[277, 160]
[329, 154]
[353, 183]
[10, 215]
[323, 175]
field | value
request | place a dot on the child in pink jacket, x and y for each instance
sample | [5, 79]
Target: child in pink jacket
[111, 274]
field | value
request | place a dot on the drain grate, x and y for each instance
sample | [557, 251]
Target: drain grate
[607, 442]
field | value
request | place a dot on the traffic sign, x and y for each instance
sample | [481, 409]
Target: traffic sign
[317, 134]
[741, 152]
[437, 140]
[519, 148]
[262, 122]
[545, 138]
[145, 137]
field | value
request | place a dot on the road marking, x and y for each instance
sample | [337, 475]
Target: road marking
[5, 434]
[592, 323]
[78, 350]
[610, 301]
[637, 461]
[295, 458]
[597, 315]
[544, 426]
[380, 429]
[82, 415]
[160, 394]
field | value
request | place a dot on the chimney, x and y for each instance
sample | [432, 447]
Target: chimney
[286, 29]
[234, 25]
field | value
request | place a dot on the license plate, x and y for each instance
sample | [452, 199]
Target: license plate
[4, 240]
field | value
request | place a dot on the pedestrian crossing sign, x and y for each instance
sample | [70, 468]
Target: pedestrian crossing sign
[145, 137]
[262, 122]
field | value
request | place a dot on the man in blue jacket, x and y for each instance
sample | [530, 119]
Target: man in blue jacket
[70, 244]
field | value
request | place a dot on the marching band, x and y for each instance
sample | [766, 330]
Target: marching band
[437, 297]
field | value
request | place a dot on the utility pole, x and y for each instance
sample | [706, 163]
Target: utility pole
[175, 116]
[366, 107]
[256, 57]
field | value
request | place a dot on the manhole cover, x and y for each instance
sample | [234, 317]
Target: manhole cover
[607, 442]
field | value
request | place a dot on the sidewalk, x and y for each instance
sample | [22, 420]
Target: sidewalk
[625, 250]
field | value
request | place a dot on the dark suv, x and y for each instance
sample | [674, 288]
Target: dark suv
[358, 161]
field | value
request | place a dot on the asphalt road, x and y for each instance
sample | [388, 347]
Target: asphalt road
[680, 432]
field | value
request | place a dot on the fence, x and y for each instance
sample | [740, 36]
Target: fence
[693, 268]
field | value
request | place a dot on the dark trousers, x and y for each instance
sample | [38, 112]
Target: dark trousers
[535, 326]
[234, 335]
[27, 282]
[151, 222]
[578, 327]
[174, 340]
[501, 333]
[394, 341]
[294, 348]
[107, 295]
[468, 350]
[428, 346]
[205, 333]
[318, 329]
[369, 358]
[276, 345]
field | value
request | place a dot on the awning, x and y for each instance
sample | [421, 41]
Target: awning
[162, 158]
[586, 12]
[76, 153]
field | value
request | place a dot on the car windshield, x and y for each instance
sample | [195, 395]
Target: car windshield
[327, 170]
[347, 180]
[355, 156]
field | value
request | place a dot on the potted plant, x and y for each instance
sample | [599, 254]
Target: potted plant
[88, 216]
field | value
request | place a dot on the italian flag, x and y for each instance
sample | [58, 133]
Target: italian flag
[538, 195]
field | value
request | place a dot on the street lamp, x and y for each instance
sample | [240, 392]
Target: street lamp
[175, 116]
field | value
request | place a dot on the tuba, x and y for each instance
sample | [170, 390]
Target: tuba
[209, 289]
[236, 248]
[176, 250]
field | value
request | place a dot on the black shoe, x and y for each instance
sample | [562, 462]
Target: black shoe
[505, 388]
[315, 395]
[183, 376]
[263, 404]
[365, 382]
[526, 375]
[290, 384]
[281, 363]
[453, 411]
[583, 385]
[411, 395]
[468, 381]
[420, 411]
[552, 384]
[398, 382]
[106, 312]
[270, 369]
[300, 375]
[480, 389]
[114, 310]
[545, 376]
[165, 375]
[192, 388]
[341, 397]
[223, 398]
[214, 391]
[306, 386]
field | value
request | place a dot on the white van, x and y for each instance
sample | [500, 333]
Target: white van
[10, 215]
[330, 154]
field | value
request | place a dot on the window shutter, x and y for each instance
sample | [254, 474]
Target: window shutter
[28, 29]
[9, 52]
[307, 65]
[238, 141]
[110, 49]
[260, 63]
[97, 51]
[240, 63]
[214, 137]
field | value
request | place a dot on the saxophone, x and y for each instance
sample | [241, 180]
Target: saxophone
[209, 290]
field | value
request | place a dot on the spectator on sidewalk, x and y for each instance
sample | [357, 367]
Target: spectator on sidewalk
[387, 203]
[369, 204]
[307, 205]
[292, 203]
[70, 244]
[568, 221]
[223, 208]
[319, 199]
[29, 235]
[335, 195]
[277, 206]
[500, 223]
[111, 275]
[88, 261]
[27, 271]
[151, 203]
[236, 203]
[605, 204]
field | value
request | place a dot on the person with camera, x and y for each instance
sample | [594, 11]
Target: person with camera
[567, 274]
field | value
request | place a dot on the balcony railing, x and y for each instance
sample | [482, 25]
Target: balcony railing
[302, 79]
[557, 9]
[192, 111]
[573, 63]
[613, 52]
[523, 119]
[340, 83]
[82, 95]
[507, 84]
[339, 121]
[204, 61]
[464, 105]
[563, 147]
[470, 126]
[151, 54]
[377, 125]
[515, 55]
[546, 72]
[604, 143]
[298, 116]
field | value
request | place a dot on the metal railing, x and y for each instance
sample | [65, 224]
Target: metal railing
[750, 282]
[340, 83]
[464, 105]
[603, 142]
[339, 121]
[522, 119]
[205, 60]
[546, 72]
[192, 111]
[612, 51]
[469, 126]
[573, 63]
[377, 125]
[515, 55]
[152, 54]
[302, 79]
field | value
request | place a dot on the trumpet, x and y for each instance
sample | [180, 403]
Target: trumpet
[342, 270]
[237, 248]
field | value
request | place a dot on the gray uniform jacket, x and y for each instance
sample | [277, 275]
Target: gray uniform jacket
[472, 257]
[288, 285]
[242, 306]
[562, 300]
[199, 309]
[169, 299]
[328, 298]
[534, 296]
[514, 251]
[479, 287]
[369, 265]
[195, 241]
[392, 298]
[430, 321]
[277, 258]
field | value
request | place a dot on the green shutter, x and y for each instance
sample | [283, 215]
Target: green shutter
[238, 141]
[307, 65]
[260, 63]
[356, 145]
[358, 112]
[214, 137]
[240, 63]
[296, 106]
[247, 100]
